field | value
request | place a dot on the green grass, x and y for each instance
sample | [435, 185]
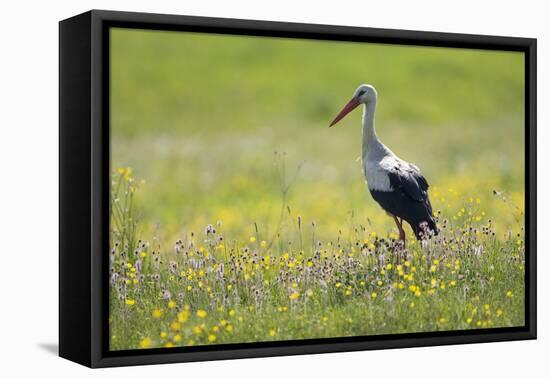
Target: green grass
[218, 126]
[166, 82]
[211, 288]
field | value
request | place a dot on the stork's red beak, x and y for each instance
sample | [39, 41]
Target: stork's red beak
[352, 104]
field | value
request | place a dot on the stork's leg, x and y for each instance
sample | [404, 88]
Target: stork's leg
[399, 223]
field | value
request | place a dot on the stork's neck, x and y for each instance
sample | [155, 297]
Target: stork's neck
[370, 139]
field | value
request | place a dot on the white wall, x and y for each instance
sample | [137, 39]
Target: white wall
[28, 184]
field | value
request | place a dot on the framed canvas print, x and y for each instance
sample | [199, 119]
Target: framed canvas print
[234, 188]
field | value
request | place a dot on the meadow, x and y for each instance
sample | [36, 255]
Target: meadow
[230, 134]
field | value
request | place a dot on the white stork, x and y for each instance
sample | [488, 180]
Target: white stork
[395, 184]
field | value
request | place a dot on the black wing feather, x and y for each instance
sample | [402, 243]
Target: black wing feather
[408, 199]
[411, 182]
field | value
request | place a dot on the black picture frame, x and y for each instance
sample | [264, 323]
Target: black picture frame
[84, 186]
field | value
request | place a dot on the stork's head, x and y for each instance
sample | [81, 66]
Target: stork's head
[363, 95]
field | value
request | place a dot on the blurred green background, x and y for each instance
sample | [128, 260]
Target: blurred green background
[199, 117]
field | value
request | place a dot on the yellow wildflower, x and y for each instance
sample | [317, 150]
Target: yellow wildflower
[145, 342]
[197, 329]
[183, 316]
[202, 314]
[157, 313]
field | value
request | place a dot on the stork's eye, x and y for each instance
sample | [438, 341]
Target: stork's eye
[361, 93]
